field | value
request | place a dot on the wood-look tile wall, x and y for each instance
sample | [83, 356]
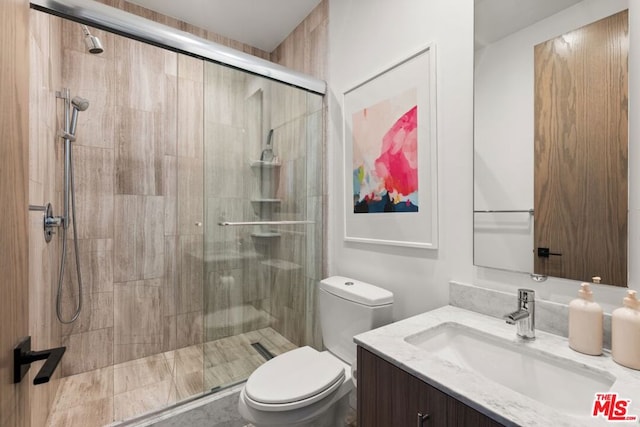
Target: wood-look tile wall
[306, 50]
[45, 78]
[138, 173]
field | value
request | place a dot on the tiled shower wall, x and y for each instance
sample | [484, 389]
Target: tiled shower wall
[306, 50]
[138, 174]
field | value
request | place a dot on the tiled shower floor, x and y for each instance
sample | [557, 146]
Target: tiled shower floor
[127, 390]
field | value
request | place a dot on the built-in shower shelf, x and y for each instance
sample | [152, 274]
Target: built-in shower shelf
[266, 234]
[266, 201]
[261, 164]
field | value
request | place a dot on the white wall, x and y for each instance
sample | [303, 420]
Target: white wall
[365, 37]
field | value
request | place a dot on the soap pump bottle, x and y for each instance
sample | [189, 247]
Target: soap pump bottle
[585, 323]
[625, 332]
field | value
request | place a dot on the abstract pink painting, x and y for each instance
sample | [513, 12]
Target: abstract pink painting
[385, 155]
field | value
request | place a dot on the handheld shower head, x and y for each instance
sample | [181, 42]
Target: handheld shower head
[267, 154]
[91, 42]
[79, 104]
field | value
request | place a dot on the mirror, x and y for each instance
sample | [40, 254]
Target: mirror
[551, 138]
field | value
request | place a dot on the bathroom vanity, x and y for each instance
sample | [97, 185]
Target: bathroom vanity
[463, 368]
[390, 396]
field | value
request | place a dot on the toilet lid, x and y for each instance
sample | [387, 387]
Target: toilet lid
[295, 376]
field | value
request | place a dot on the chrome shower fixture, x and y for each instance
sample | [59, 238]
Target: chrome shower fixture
[71, 108]
[92, 43]
[78, 104]
[267, 154]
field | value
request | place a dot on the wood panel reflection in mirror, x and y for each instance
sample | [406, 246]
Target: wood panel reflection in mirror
[517, 131]
[581, 139]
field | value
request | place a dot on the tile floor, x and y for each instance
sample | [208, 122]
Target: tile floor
[127, 390]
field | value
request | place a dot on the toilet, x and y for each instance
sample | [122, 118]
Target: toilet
[306, 387]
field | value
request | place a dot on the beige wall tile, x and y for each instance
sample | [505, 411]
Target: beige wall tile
[96, 125]
[190, 118]
[87, 351]
[170, 116]
[137, 68]
[96, 313]
[171, 272]
[128, 214]
[138, 238]
[84, 72]
[308, 42]
[152, 255]
[189, 286]
[96, 260]
[169, 329]
[170, 168]
[93, 181]
[225, 88]
[190, 68]
[138, 330]
[225, 161]
[140, 152]
[316, 60]
[190, 196]
[189, 329]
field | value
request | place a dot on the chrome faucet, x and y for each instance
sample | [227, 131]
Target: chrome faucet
[525, 316]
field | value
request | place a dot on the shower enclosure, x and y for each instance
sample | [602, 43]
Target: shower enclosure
[199, 223]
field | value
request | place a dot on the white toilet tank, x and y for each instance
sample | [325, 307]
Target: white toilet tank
[349, 307]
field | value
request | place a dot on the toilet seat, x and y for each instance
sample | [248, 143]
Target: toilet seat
[293, 380]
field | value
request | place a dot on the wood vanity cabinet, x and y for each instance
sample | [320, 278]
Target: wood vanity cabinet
[391, 397]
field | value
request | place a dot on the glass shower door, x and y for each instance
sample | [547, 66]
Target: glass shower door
[262, 202]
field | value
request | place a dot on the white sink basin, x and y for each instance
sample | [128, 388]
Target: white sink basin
[562, 384]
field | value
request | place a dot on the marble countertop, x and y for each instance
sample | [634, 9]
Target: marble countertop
[495, 400]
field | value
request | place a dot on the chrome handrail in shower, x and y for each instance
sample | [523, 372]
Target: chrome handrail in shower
[227, 223]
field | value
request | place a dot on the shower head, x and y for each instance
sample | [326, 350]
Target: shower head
[91, 42]
[80, 104]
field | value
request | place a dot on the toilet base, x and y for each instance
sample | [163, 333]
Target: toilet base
[331, 412]
[336, 415]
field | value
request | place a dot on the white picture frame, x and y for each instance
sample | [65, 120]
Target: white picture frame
[392, 199]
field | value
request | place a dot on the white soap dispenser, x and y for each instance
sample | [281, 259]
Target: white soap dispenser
[585, 323]
[625, 332]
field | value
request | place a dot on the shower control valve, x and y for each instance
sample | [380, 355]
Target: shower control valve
[50, 221]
